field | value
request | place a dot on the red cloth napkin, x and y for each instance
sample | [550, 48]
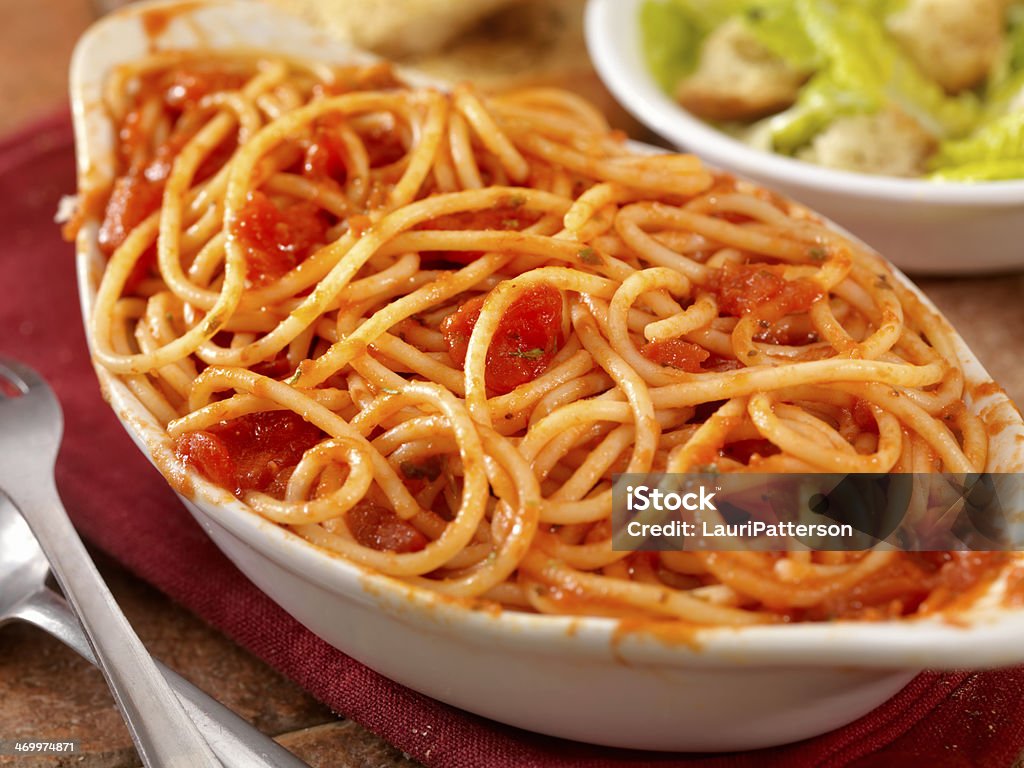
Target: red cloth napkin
[122, 505]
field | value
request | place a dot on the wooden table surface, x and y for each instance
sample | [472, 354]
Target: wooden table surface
[47, 692]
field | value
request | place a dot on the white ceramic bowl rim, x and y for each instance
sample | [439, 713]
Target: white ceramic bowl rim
[636, 89]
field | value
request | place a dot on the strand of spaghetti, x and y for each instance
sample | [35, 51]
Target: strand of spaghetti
[581, 110]
[658, 600]
[701, 449]
[297, 509]
[672, 174]
[934, 432]
[827, 459]
[494, 307]
[629, 382]
[727, 567]
[519, 530]
[214, 379]
[341, 275]
[705, 387]
[463, 157]
[694, 318]
[631, 289]
[490, 134]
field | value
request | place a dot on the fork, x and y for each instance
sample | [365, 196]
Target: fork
[31, 426]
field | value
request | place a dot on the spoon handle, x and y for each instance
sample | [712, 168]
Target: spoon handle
[233, 740]
[164, 736]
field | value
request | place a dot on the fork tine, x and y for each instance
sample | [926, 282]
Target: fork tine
[20, 375]
[10, 379]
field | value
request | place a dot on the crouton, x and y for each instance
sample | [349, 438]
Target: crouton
[737, 78]
[955, 42]
[889, 143]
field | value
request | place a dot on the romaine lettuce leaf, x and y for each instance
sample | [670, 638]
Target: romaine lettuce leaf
[862, 57]
[776, 25]
[991, 170]
[821, 101]
[671, 41]
[1002, 139]
[672, 32]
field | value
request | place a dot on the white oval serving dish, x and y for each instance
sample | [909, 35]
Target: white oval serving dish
[924, 227]
[584, 679]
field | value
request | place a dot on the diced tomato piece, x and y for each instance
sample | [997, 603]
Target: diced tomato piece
[381, 529]
[206, 452]
[138, 193]
[249, 452]
[276, 240]
[528, 337]
[863, 417]
[760, 290]
[359, 224]
[134, 198]
[676, 353]
[325, 158]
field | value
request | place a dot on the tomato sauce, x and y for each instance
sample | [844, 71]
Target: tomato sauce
[760, 291]
[745, 450]
[325, 158]
[248, 453]
[528, 337]
[676, 353]
[921, 582]
[138, 192]
[863, 417]
[381, 529]
[1014, 596]
[275, 240]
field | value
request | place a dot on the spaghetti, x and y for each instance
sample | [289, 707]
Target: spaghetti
[422, 329]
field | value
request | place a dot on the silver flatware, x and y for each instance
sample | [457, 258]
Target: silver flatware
[31, 427]
[24, 596]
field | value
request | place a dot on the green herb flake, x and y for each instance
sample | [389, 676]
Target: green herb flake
[294, 378]
[516, 201]
[589, 256]
[430, 469]
[510, 223]
[212, 323]
[818, 253]
[528, 354]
